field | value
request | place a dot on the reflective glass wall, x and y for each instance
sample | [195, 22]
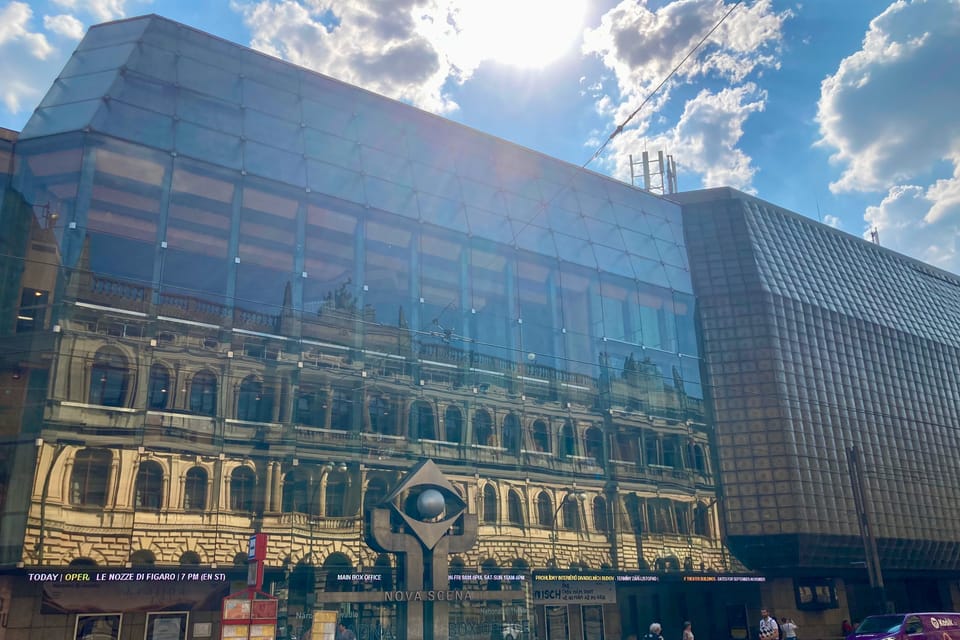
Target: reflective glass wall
[258, 297]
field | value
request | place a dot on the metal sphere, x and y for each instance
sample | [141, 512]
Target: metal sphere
[430, 503]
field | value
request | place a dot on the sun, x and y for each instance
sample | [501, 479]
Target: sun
[522, 33]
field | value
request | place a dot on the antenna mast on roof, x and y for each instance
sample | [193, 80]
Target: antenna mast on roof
[659, 175]
[875, 235]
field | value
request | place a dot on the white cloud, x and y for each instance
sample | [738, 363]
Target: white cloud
[64, 25]
[890, 109]
[642, 46]
[385, 47]
[99, 10]
[889, 114]
[22, 53]
[14, 19]
[832, 221]
[406, 49]
[904, 222]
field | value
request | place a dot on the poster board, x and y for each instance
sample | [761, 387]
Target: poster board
[324, 625]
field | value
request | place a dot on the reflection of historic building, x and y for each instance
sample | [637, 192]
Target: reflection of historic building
[246, 297]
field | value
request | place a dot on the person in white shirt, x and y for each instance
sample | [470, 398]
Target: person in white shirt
[789, 629]
[768, 626]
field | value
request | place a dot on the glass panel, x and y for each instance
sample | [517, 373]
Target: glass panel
[223, 149]
[267, 241]
[195, 264]
[387, 272]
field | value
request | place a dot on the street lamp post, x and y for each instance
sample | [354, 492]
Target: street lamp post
[571, 495]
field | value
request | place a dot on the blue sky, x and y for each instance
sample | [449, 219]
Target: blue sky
[842, 110]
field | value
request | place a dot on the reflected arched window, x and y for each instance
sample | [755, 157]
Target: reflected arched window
[143, 557]
[341, 413]
[483, 428]
[541, 436]
[203, 394]
[568, 439]
[252, 403]
[311, 405]
[511, 433]
[600, 514]
[337, 564]
[634, 509]
[421, 421]
[383, 568]
[376, 492]
[148, 493]
[296, 493]
[490, 568]
[190, 558]
[518, 568]
[571, 514]
[453, 424]
[457, 569]
[699, 459]
[109, 379]
[701, 520]
[82, 562]
[489, 504]
[383, 418]
[651, 448]
[88, 481]
[593, 444]
[243, 482]
[671, 453]
[544, 510]
[158, 390]
[515, 508]
[335, 502]
[195, 489]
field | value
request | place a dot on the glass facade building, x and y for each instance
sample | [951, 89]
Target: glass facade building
[816, 342]
[240, 296]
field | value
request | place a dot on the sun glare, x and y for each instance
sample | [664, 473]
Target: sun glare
[521, 33]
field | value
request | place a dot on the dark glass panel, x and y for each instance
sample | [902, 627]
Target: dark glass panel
[148, 493]
[267, 243]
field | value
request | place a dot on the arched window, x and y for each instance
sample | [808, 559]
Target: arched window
[568, 439]
[571, 514]
[82, 562]
[489, 504]
[457, 569]
[243, 482]
[190, 558]
[143, 557]
[511, 433]
[483, 428]
[421, 421]
[296, 493]
[109, 378]
[335, 502]
[376, 492]
[337, 564]
[593, 444]
[544, 510]
[383, 568]
[600, 514]
[699, 459]
[203, 394]
[383, 417]
[158, 390]
[489, 567]
[515, 508]
[148, 493]
[251, 402]
[453, 424]
[88, 481]
[682, 512]
[519, 567]
[195, 489]
[541, 436]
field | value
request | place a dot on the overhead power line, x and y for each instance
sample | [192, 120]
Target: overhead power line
[656, 90]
